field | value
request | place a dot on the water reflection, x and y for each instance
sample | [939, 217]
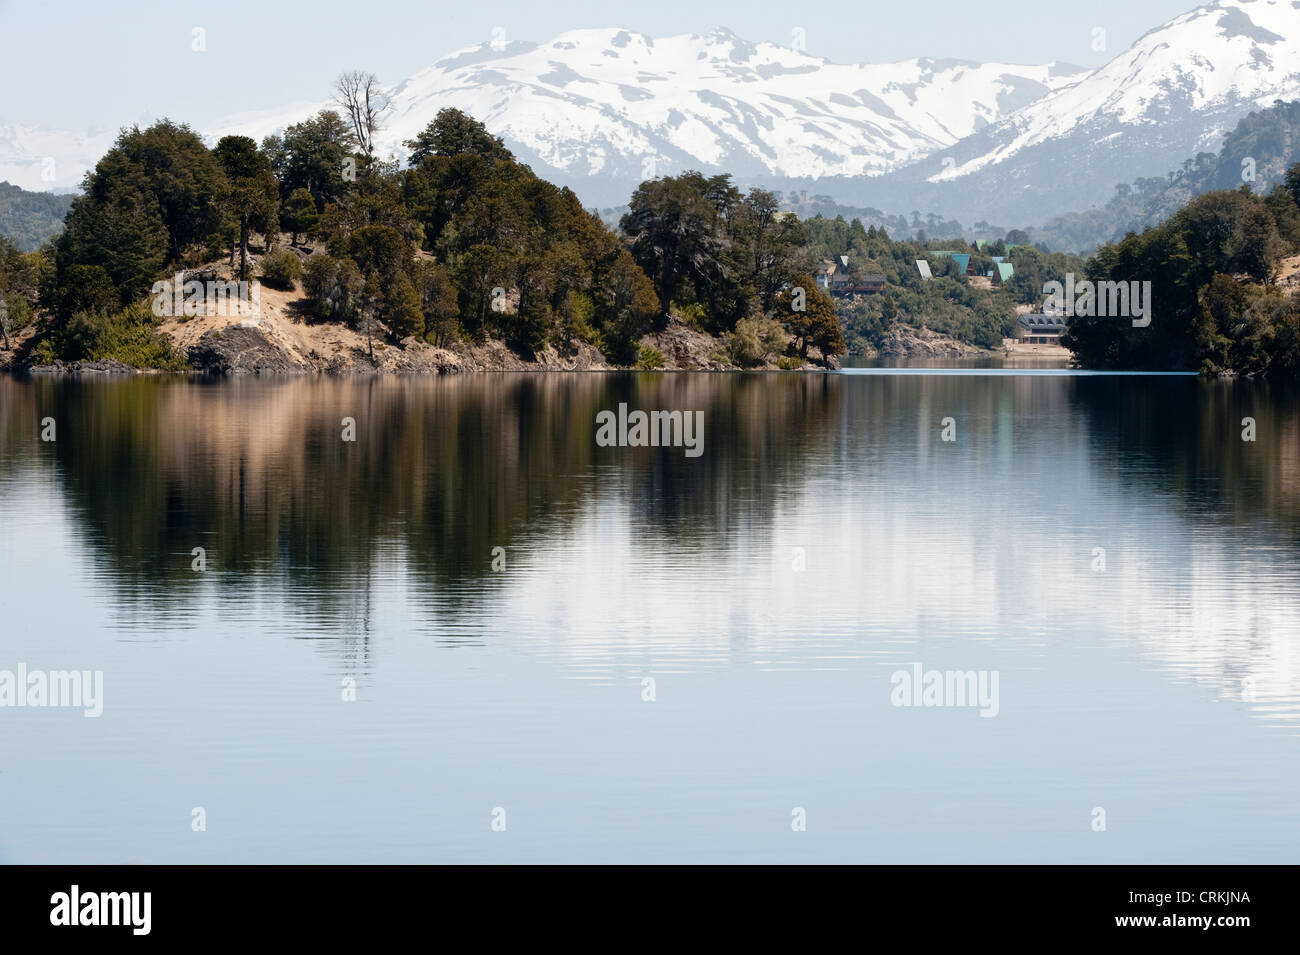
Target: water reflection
[826, 526]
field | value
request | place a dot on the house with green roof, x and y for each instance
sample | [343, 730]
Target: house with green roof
[961, 258]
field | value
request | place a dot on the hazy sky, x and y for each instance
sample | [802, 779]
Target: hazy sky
[102, 63]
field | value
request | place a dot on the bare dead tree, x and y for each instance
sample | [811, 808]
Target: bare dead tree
[364, 101]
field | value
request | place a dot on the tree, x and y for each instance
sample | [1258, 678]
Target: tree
[479, 272]
[18, 287]
[401, 310]
[375, 199]
[379, 250]
[252, 191]
[1293, 182]
[153, 194]
[334, 287]
[754, 340]
[364, 102]
[453, 133]
[824, 330]
[1256, 247]
[438, 299]
[768, 243]
[676, 236]
[311, 155]
[298, 215]
[809, 315]
[181, 176]
[85, 288]
[368, 312]
[115, 225]
[626, 306]
[535, 279]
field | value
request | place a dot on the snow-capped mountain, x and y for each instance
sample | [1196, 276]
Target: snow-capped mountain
[595, 99]
[1169, 96]
[49, 160]
[613, 106]
[602, 109]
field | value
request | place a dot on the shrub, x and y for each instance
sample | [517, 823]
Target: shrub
[334, 287]
[129, 336]
[18, 312]
[754, 340]
[649, 358]
[281, 270]
[692, 315]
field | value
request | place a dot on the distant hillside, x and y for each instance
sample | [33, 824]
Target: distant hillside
[29, 218]
[1257, 152]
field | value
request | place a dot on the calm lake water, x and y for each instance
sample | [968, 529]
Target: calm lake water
[1107, 549]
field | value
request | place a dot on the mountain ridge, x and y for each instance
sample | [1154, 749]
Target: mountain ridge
[600, 110]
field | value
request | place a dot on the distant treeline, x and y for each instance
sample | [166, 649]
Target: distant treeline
[28, 219]
[1258, 151]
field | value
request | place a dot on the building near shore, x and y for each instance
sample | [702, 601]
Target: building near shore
[1040, 329]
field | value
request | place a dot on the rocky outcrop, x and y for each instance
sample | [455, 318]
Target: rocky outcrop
[242, 350]
[495, 356]
[903, 341]
[684, 347]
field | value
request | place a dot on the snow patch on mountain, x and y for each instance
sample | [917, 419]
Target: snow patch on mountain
[1214, 63]
[615, 102]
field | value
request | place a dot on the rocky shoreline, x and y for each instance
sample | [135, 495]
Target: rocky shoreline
[903, 341]
[278, 344]
[263, 349]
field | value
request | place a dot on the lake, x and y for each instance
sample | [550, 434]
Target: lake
[471, 633]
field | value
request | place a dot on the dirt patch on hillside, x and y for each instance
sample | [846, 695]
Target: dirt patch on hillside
[1288, 275]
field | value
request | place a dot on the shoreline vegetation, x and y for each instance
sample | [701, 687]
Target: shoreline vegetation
[307, 254]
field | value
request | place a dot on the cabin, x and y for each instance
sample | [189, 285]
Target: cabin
[1002, 272]
[869, 284]
[835, 277]
[962, 259]
[833, 274]
[923, 267]
[1040, 329]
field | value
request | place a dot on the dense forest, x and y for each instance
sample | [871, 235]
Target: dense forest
[463, 245]
[1217, 306]
[1258, 151]
[29, 218]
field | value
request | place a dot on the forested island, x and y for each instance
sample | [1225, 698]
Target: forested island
[464, 259]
